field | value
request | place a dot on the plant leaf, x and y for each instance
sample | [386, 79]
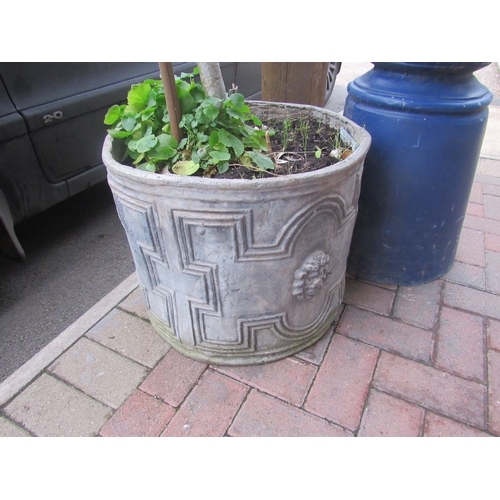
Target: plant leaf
[222, 167]
[138, 97]
[113, 115]
[256, 121]
[146, 143]
[261, 161]
[119, 134]
[246, 160]
[129, 122]
[213, 139]
[166, 142]
[220, 155]
[233, 113]
[211, 112]
[238, 100]
[148, 166]
[185, 100]
[232, 141]
[185, 167]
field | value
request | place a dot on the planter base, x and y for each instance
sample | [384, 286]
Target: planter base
[252, 356]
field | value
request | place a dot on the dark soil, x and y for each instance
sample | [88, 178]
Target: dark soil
[294, 146]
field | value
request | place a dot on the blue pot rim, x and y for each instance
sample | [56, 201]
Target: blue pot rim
[444, 88]
[451, 68]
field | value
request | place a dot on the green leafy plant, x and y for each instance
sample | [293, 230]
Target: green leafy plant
[217, 133]
[304, 129]
[287, 126]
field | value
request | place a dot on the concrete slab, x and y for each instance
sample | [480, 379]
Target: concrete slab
[130, 336]
[99, 372]
[26, 373]
[51, 408]
[489, 167]
[9, 429]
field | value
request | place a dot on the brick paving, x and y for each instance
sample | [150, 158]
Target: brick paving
[397, 361]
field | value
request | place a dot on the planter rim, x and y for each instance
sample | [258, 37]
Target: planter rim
[362, 138]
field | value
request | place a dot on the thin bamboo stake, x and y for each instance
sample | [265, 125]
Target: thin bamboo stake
[173, 106]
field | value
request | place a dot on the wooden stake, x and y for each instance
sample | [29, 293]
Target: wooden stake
[173, 106]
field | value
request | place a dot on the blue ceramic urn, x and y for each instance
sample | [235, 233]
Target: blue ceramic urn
[427, 122]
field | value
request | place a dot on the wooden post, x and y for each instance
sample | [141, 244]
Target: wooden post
[173, 106]
[294, 82]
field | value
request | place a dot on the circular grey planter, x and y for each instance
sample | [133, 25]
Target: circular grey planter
[242, 271]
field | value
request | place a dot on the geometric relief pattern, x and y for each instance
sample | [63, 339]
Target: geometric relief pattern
[278, 324]
[239, 225]
[140, 223]
[183, 289]
[242, 225]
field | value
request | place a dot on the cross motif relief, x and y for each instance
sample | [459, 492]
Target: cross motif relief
[230, 236]
[175, 289]
[199, 263]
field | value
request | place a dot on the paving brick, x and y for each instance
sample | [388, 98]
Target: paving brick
[491, 207]
[135, 304]
[370, 297]
[99, 372]
[490, 168]
[50, 408]
[469, 299]
[433, 389]
[387, 333]
[10, 429]
[130, 336]
[387, 286]
[288, 379]
[439, 426]
[418, 305]
[493, 189]
[316, 352]
[476, 194]
[173, 378]
[494, 391]
[387, 416]
[265, 416]
[475, 209]
[481, 224]
[209, 409]
[342, 383]
[471, 247]
[461, 348]
[492, 242]
[493, 334]
[140, 416]
[493, 272]
[465, 274]
[487, 179]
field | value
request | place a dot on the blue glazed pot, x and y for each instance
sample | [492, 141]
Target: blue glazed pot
[427, 122]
